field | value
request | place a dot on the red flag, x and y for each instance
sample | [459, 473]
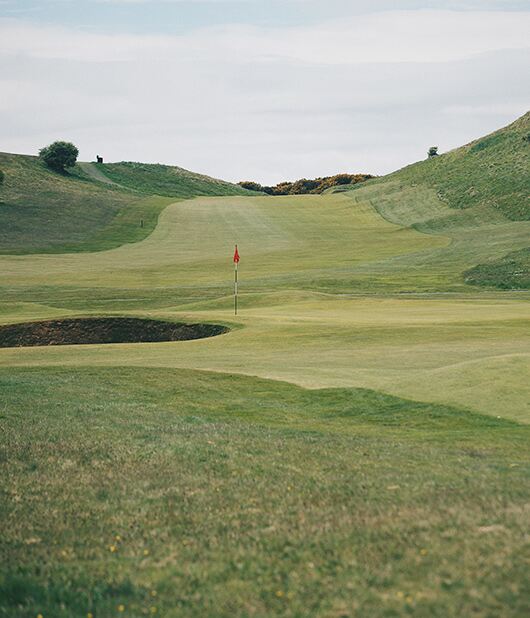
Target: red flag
[236, 256]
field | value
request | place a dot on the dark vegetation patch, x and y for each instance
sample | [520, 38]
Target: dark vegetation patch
[487, 142]
[305, 186]
[511, 272]
[76, 331]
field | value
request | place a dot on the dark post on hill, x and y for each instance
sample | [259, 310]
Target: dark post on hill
[433, 152]
[236, 263]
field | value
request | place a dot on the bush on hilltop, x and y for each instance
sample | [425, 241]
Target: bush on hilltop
[59, 155]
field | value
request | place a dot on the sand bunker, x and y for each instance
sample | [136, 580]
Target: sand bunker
[77, 331]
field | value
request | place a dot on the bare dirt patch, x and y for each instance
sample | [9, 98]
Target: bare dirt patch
[78, 331]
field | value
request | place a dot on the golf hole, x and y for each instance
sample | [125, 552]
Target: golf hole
[79, 331]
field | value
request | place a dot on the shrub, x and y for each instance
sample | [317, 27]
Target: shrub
[251, 186]
[303, 186]
[59, 155]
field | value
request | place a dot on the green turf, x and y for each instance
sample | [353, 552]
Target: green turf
[298, 253]
[167, 180]
[217, 495]
[355, 446]
[42, 211]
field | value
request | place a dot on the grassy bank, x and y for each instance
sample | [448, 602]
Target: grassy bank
[42, 211]
[511, 272]
[168, 180]
[186, 493]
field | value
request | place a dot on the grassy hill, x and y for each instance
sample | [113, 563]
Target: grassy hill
[42, 211]
[167, 180]
[478, 196]
[489, 173]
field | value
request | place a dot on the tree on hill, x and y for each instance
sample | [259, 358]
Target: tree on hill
[433, 152]
[59, 155]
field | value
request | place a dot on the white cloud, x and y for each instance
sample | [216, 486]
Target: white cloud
[404, 36]
[370, 93]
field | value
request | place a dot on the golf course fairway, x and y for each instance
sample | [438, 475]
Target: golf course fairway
[353, 443]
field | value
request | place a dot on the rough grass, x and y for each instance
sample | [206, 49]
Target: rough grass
[189, 493]
[42, 211]
[478, 196]
[167, 180]
[511, 272]
[492, 171]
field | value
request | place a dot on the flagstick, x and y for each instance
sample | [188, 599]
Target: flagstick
[235, 289]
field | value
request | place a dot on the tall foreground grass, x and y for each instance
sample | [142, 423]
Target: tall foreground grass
[181, 493]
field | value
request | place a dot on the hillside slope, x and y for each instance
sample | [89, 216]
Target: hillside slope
[42, 211]
[490, 172]
[151, 178]
[478, 196]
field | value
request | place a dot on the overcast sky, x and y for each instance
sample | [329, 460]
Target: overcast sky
[268, 90]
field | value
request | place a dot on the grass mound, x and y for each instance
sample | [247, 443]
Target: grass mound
[42, 211]
[76, 331]
[511, 272]
[168, 180]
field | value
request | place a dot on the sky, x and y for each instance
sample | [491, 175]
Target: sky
[267, 90]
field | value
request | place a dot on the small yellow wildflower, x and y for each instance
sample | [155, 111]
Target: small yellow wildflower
[153, 609]
[121, 608]
[399, 594]
[279, 594]
[118, 538]
[113, 548]
[423, 552]
[153, 593]
[146, 552]
[40, 616]
[90, 615]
